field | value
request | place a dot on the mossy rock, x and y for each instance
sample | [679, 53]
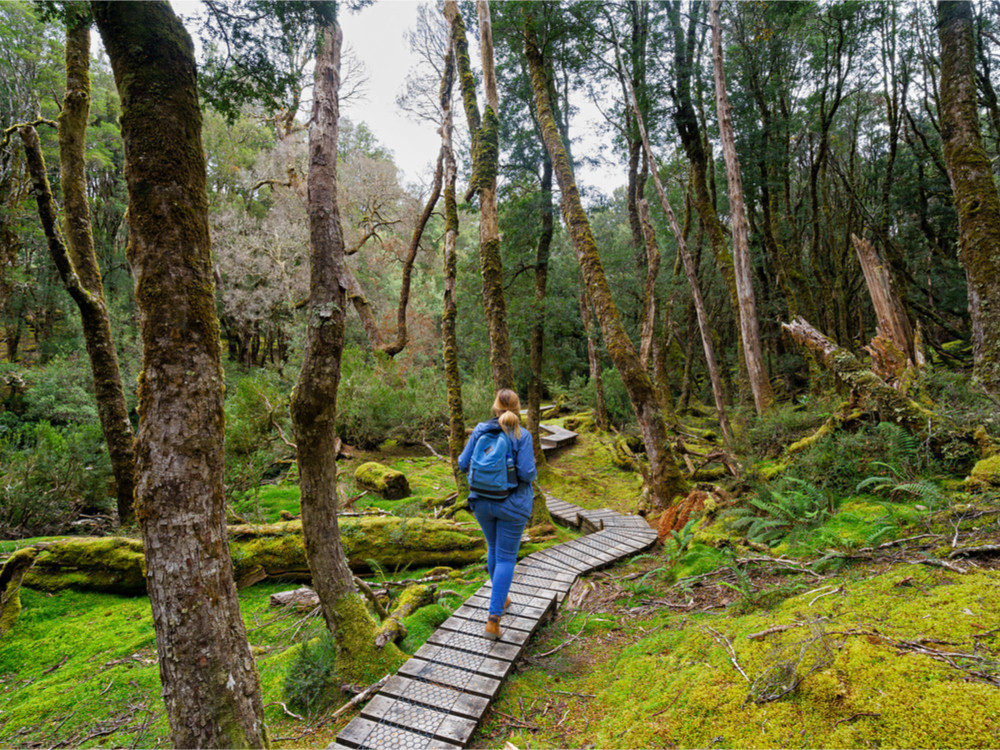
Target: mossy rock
[11, 576]
[388, 483]
[985, 474]
[583, 422]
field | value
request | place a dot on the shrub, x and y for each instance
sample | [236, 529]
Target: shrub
[49, 476]
[768, 435]
[311, 683]
[380, 399]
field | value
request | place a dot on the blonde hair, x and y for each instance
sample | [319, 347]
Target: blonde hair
[507, 410]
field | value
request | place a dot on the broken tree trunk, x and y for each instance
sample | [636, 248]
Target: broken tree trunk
[410, 601]
[871, 391]
[666, 480]
[893, 348]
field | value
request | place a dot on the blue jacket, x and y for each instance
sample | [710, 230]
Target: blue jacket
[517, 507]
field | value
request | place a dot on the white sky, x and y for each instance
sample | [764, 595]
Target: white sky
[376, 35]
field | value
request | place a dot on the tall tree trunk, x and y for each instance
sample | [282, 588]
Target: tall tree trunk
[972, 183]
[760, 384]
[593, 359]
[692, 274]
[485, 163]
[77, 263]
[647, 314]
[210, 683]
[893, 324]
[538, 327]
[449, 338]
[313, 404]
[666, 481]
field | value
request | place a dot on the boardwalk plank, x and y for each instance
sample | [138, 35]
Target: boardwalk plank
[440, 674]
[437, 696]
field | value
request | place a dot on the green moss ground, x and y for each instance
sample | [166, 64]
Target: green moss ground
[663, 679]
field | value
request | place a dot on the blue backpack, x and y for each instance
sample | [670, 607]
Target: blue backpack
[491, 471]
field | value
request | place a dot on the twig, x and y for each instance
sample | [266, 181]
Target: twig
[285, 709]
[975, 550]
[517, 722]
[359, 698]
[430, 447]
[106, 689]
[854, 716]
[54, 667]
[729, 649]
[937, 564]
[771, 631]
[838, 590]
[578, 695]
[565, 643]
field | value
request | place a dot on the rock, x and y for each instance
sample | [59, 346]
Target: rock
[388, 483]
[985, 474]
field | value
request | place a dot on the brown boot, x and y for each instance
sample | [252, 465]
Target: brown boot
[492, 631]
[506, 605]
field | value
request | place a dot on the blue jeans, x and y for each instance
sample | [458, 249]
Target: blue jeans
[503, 538]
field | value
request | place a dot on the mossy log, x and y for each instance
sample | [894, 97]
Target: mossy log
[116, 565]
[388, 483]
[412, 599]
[10, 586]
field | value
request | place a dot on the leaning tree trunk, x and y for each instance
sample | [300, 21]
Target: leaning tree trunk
[77, 264]
[485, 163]
[692, 274]
[972, 183]
[760, 385]
[314, 401]
[666, 481]
[210, 683]
[872, 392]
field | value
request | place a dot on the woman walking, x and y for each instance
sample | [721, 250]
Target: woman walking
[500, 461]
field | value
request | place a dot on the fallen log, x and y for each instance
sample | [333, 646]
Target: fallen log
[117, 564]
[873, 393]
[412, 599]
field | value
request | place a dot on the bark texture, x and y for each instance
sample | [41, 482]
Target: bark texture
[666, 481]
[972, 184]
[210, 683]
[314, 401]
[485, 132]
[449, 337]
[760, 384]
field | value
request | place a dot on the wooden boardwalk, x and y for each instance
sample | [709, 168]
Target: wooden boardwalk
[438, 697]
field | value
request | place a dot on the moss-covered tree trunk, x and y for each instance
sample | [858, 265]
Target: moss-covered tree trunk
[666, 481]
[449, 313]
[313, 404]
[972, 183]
[485, 163]
[760, 384]
[76, 261]
[210, 683]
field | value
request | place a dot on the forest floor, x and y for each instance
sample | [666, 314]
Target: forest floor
[860, 628]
